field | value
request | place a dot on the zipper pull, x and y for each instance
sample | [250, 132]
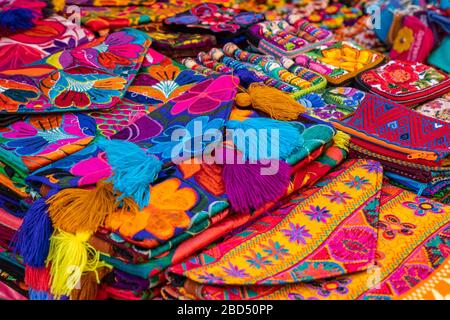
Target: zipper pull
[423, 155]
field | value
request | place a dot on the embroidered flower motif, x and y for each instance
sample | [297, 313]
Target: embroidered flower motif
[44, 135]
[327, 287]
[357, 183]
[422, 206]
[296, 233]
[209, 277]
[392, 226]
[234, 271]
[338, 197]
[115, 50]
[67, 89]
[353, 244]
[400, 74]
[206, 96]
[13, 93]
[317, 213]
[275, 250]
[161, 83]
[165, 213]
[373, 166]
[257, 260]
[404, 40]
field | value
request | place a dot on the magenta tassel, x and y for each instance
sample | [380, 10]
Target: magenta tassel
[247, 189]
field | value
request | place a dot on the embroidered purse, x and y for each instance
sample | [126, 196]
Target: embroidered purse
[408, 83]
[280, 39]
[339, 61]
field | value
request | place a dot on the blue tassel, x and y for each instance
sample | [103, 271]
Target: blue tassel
[290, 138]
[246, 77]
[39, 295]
[133, 170]
[32, 240]
[17, 19]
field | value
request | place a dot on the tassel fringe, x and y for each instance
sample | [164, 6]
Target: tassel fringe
[341, 140]
[70, 255]
[277, 104]
[80, 210]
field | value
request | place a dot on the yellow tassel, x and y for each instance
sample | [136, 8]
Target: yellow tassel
[341, 140]
[277, 104]
[58, 5]
[69, 255]
[77, 210]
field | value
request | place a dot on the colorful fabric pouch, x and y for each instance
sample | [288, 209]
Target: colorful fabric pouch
[438, 108]
[411, 244]
[414, 40]
[177, 44]
[104, 19]
[225, 23]
[397, 128]
[408, 83]
[332, 104]
[306, 169]
[92, 76]
[279, 39]
[284, 75]
[46, 37]
[279, 248]
[339, 61]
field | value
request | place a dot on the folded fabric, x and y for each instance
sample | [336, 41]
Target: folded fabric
[92, 76]
[408, 83]
[435, 287]
[339, 61]
[267, 252]
[306, 172]
[48, 36]
[412, 243]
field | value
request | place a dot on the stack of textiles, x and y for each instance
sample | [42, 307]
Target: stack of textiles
[413, 148]
[379, 245]
[198, 150]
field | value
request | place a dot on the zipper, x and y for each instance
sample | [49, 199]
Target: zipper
[411, 154]
[367, 152]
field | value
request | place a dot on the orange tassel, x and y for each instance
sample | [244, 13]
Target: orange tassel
[80, 210]
[277, 104]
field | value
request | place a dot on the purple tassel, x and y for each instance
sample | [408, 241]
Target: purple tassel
[32, 240]
[246, 77]
[249, 186]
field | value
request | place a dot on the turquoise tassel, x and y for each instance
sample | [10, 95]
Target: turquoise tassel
[290, 138]
[133, 170]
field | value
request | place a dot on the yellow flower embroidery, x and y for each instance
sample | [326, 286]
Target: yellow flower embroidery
[404, 40]
[347, 58]
[165, 212]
